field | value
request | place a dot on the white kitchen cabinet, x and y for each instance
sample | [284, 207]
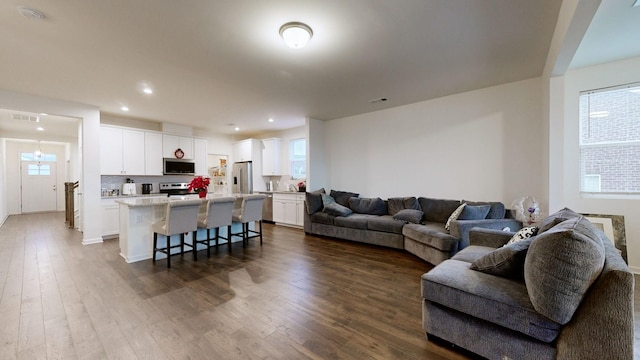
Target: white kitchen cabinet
[122, 151]
[247, 150]
[171, 143]
[288, 209]
[200, 156]
[153, 153]
[110, 212]
[271, 157]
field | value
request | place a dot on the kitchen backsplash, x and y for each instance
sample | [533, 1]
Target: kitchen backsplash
[114, 182]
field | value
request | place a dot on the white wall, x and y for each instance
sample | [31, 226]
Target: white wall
[3, 183]
[564, 159]
[480, 145]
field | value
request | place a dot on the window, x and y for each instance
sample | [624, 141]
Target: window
[29, 156]
[298, 158]
[38, 169]
[610, 140]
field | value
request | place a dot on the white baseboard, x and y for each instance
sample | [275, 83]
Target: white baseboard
[635, 269]
[97, 240]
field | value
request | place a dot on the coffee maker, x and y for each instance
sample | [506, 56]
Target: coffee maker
[147, 188]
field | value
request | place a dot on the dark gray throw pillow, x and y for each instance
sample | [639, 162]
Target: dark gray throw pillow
[400, 203]
[359, 205]
[342, 197]
[506, 261]
[377, 207]
[313, 201]
[337, 210]
[497, 211]
[409, 215]
[477, 212]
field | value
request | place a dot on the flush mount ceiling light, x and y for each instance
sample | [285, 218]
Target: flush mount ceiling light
[124, 108]
[296, 34]
[30, 13]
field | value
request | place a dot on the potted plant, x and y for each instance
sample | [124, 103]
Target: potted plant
[199, 184]
[302, 186]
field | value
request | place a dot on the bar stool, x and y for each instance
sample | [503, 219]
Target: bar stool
[249, 211]
[181, 218]
[213, 215]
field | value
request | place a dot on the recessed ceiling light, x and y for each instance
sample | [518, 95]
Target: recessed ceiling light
[270, 119]
[237, 129]
[296, 34]
[144, 87]
[40, 128]
[147, 91]
[124, 108]
[373, 101]
[44, 114]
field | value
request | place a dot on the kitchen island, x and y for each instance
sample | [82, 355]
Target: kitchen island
[137, 215]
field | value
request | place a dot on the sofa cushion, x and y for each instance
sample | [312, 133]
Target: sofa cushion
[454, 216]
[337, 209]
[474, 212]
[385, 223]
[472, 253]
[497, 211]
[409, 215]
[556, 218]
[322, 217]
[401, 203]
[523, 234]
[498, 300]
[342, 197]
[353, 221]
[561, 265]
[437, 210]
[372, 206]
[432, 234]
[313, 201]
[506, 261]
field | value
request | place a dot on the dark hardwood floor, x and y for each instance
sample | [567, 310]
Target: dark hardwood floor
[295, 297]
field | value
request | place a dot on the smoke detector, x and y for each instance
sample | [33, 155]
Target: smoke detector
[30, 13]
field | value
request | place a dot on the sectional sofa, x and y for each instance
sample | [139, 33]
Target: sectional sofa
[421, 225]
[565, 293]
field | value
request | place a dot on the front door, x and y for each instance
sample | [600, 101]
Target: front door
[38, 186]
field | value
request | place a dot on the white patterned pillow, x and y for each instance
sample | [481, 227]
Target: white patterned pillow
[522, 234]
[454, 216]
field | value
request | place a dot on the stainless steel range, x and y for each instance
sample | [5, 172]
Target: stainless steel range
[174, 188]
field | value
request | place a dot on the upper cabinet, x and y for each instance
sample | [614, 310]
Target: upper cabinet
[171, 143]
[247, 150]
[200, 156]
[271, 157]
[122, 151]
[152, 153]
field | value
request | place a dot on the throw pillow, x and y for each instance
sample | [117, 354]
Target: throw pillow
[338, 210]
[401, 203]
[454, 216]
[556, 218]
[342, 197]
[409, 215]
[477, 212]
[359, 205]
[506, 261]
[523, 234]
[560, 267]
[497, 211]
[313, 201]
[377, 206]
[327, 199]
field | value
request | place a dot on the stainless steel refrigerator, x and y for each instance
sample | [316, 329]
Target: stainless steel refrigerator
[242, 178]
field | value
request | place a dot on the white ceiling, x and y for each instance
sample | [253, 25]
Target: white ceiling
[214, 63]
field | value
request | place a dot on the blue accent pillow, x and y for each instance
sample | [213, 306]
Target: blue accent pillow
[409, 215]
[327, 199]
[338, 210]
[477, 212]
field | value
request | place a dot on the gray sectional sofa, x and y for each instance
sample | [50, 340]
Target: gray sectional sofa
[414, 224]
[565, 293]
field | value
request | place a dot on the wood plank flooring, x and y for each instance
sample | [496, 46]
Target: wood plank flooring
[295, 297]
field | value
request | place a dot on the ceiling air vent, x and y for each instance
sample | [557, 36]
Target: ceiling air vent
[25, 117]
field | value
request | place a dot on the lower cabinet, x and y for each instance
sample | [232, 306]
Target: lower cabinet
[288, 208]
[110, 212]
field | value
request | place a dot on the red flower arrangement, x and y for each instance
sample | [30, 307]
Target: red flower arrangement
[199, 184]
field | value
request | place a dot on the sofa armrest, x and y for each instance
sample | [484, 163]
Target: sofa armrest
[306, 220]
[460, 228]
[489, 237]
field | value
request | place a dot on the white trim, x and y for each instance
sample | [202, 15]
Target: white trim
[635, 269]
[97, 240]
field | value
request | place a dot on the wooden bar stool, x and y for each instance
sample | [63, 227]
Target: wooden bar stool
[181, 218]
[249, 211]
[214, 214]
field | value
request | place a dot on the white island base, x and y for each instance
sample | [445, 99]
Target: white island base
[136, 234]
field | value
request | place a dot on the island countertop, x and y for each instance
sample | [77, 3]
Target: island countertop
[158, 201]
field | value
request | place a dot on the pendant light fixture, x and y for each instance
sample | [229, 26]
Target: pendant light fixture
[296, 34]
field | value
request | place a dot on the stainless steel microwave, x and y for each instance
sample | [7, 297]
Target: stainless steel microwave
[178, 167]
